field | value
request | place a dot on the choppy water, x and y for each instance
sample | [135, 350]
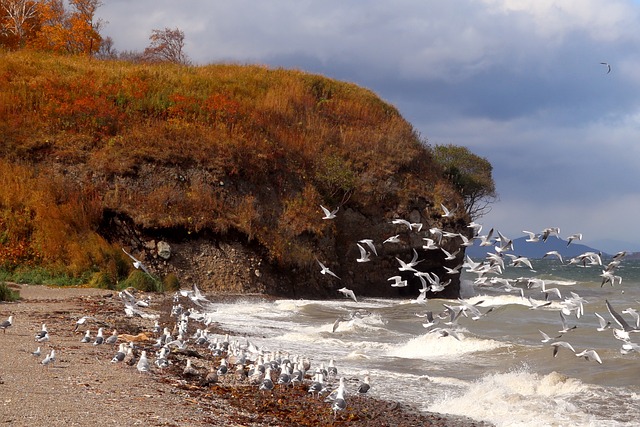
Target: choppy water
[499, 371]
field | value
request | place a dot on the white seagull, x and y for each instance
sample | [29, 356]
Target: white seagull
[329, 214]
[369, 243]
[325, 270]
[398, 282]
[577, 236]
[590, 355]
[143, 362]
[6, 324]
[348, 293]
[364, 255]
[137, 263]
[393, 239]
[447, 213]
[556, 345]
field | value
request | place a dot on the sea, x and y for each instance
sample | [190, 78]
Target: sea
[494, 369]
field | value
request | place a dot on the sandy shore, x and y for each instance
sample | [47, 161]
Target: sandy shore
[83, 387]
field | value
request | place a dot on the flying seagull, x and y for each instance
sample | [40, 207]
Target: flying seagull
[608, 66]
[329, 214]
[348, 293]
[369, 242]
[325, 270]
[136, 263]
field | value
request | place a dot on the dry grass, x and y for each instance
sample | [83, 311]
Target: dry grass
[253, 149]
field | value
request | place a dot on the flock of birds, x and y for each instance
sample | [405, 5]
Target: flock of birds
[488, 273]
[203, 357]
[266, 370]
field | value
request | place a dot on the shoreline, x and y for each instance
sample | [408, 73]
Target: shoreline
[83, 382]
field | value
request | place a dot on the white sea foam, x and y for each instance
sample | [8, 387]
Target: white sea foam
[520, 398]
[433, 346]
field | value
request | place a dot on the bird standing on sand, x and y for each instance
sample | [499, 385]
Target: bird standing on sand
[364, 386]
[99, 338]
[50, 358]
[113, 338]
[41, 333]
[6, 324]
[120, 354]
[143, 363]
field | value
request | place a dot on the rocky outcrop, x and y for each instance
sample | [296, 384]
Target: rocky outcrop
[230, 264]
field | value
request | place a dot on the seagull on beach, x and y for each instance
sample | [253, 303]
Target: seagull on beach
[329, 214]
[120, 354]
[143, 363]
[42, 332]
[113, 338]
[49, 358]
[364, 386]
[6, 324]
[99, 338]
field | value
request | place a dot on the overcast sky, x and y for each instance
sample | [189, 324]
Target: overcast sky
[519, 82]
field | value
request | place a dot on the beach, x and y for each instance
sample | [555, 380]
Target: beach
[83, 387]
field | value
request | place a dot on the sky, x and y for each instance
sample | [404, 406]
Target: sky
[518, 82]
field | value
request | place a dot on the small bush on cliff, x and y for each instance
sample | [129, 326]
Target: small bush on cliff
[170, 283]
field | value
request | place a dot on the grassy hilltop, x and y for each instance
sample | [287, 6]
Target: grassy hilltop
[97, 155]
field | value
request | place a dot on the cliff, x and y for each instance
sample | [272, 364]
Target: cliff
[213, 173]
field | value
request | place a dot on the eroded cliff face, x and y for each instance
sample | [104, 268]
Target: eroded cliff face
[233, 264]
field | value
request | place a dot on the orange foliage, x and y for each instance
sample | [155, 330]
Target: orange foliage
[220, 147]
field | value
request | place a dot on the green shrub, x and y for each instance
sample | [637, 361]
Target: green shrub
[141, 281]
[102, 280]
[6, 294]
[171, 282]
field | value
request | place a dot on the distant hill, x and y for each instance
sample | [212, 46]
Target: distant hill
[536, 249]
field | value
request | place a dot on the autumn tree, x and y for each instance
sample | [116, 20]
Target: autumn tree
[470, 174]
[166, 46]
[18, 21]
[64, 26]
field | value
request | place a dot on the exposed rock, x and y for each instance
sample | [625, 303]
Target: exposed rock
[164, 250]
